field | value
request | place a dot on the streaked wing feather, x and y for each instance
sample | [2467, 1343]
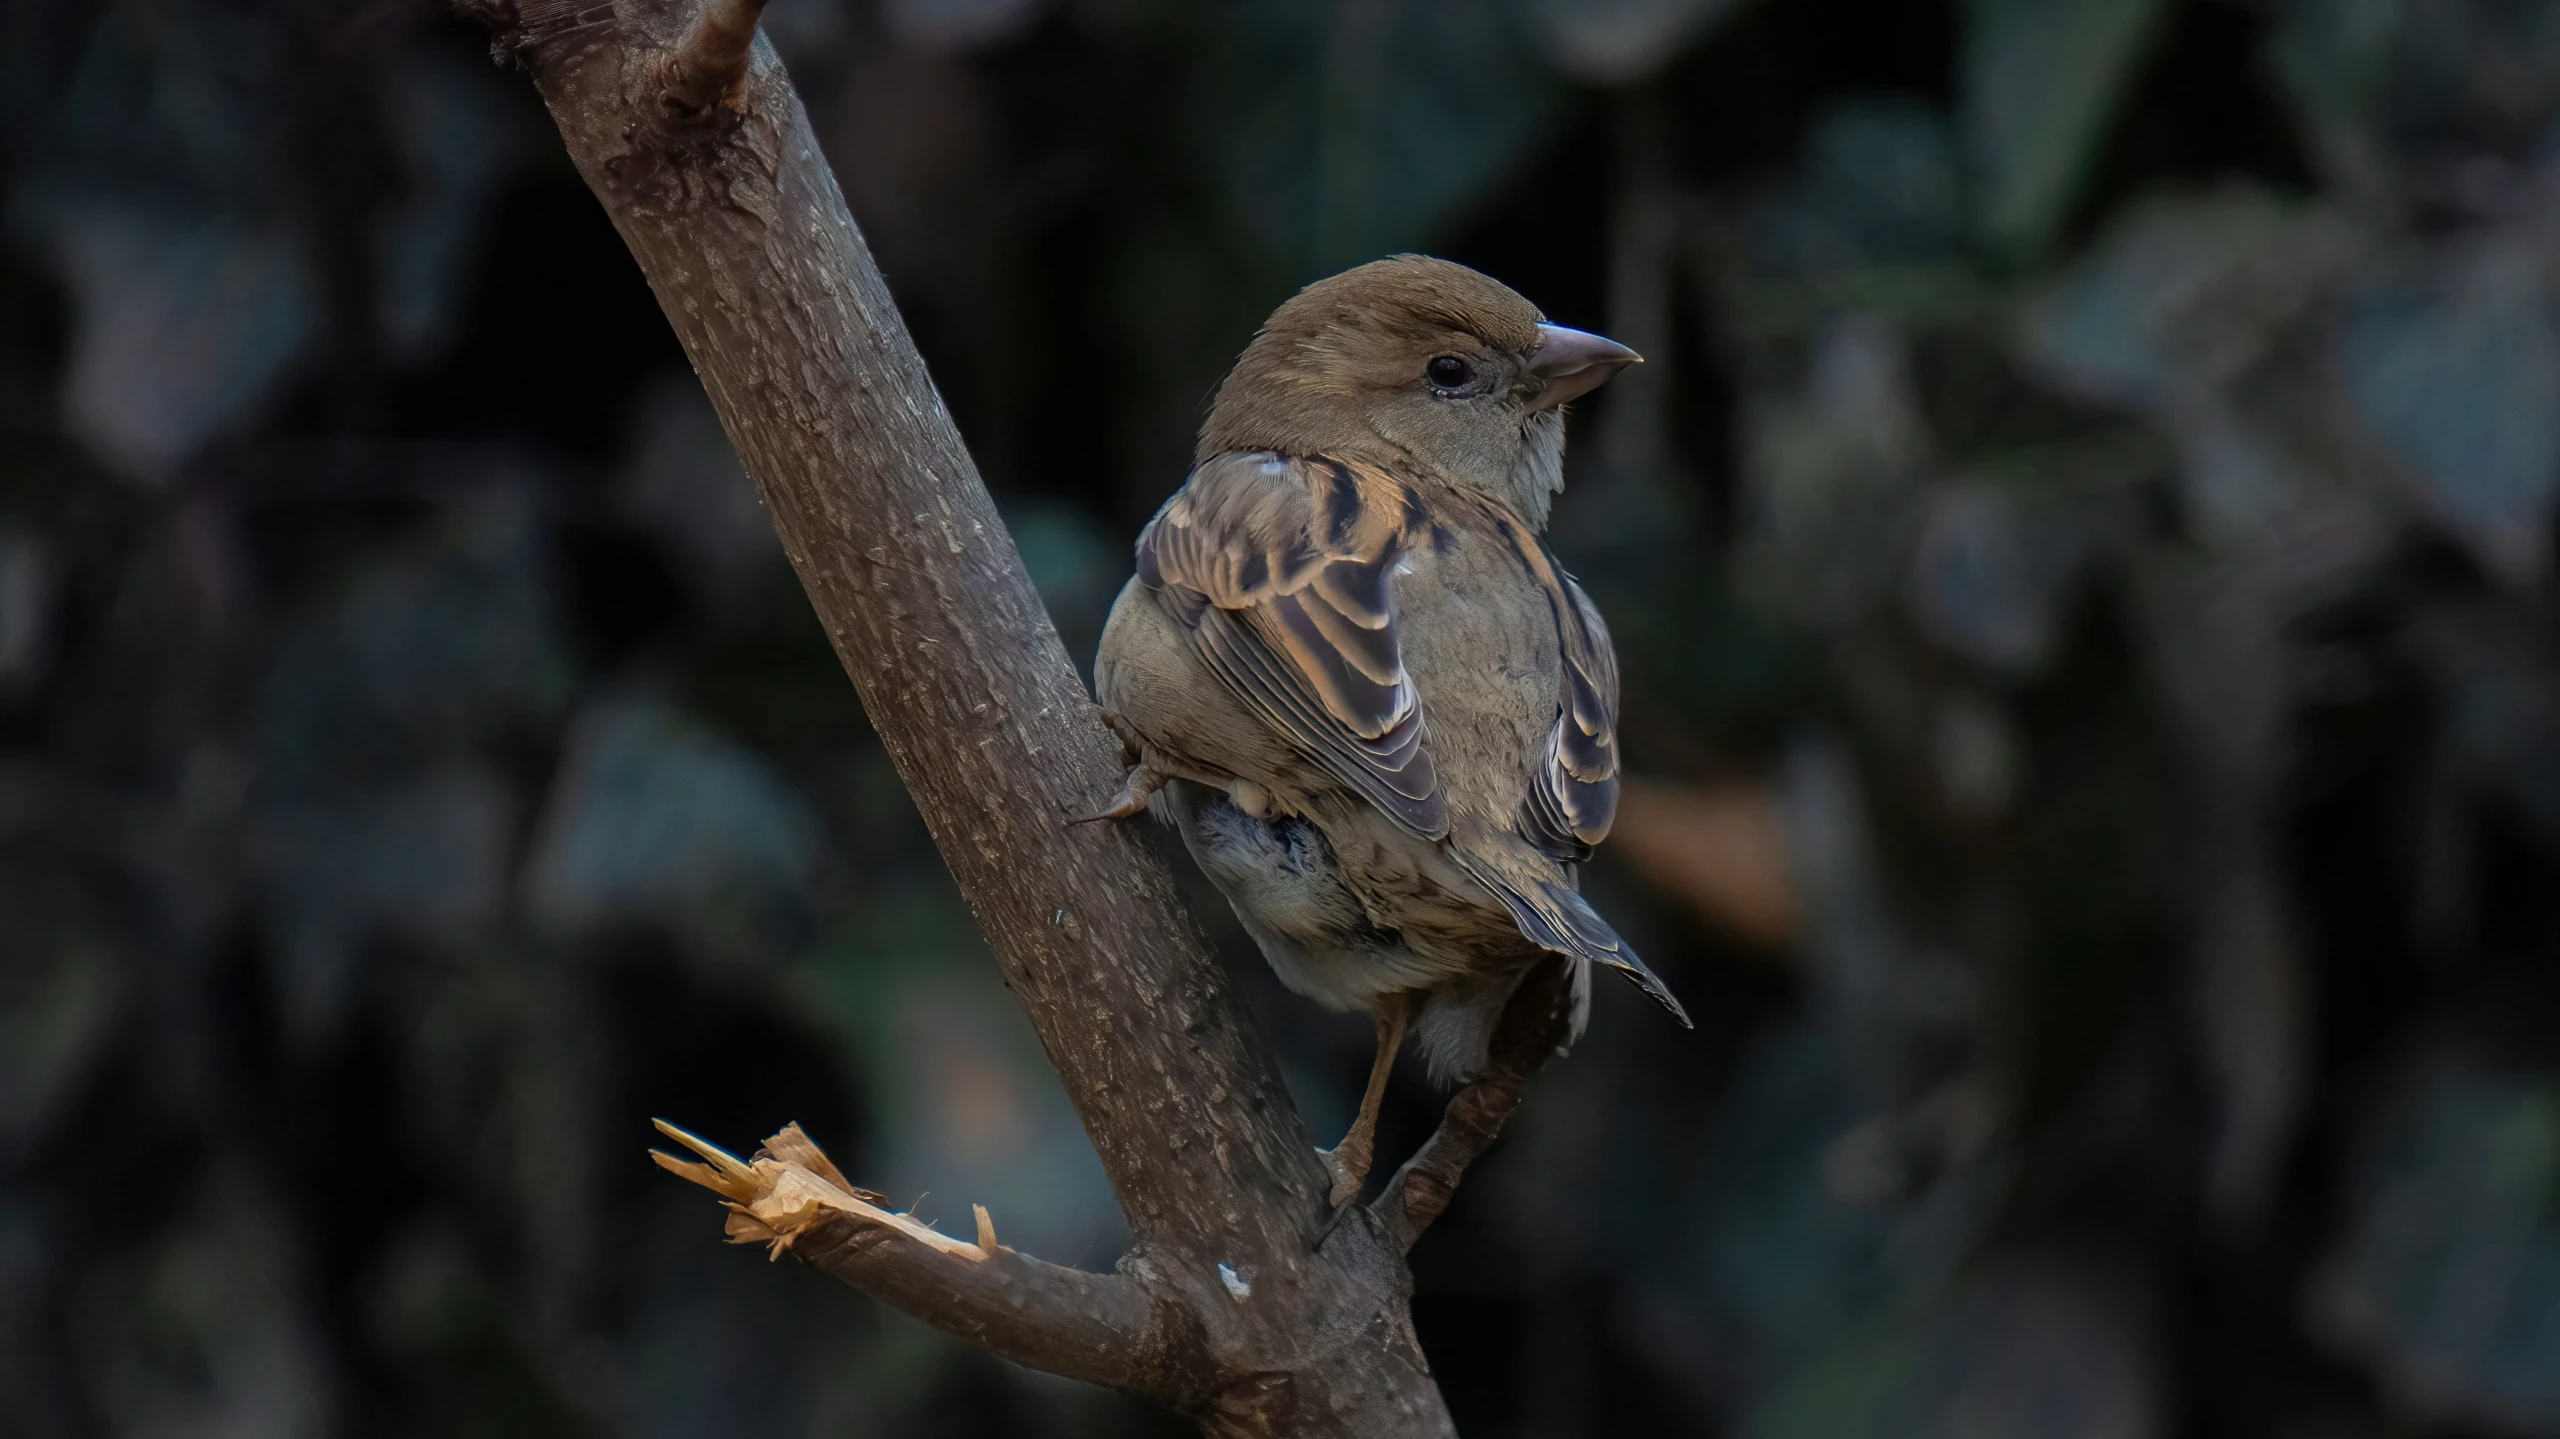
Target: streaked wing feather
[1281, 570]
[1573, 798]
[1357, 590]
[1338, 642]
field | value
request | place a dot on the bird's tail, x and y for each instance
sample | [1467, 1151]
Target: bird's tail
[1553, 916]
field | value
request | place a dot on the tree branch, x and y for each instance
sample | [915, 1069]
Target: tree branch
[1533, 1024]
[746, 241]
[683, 123]
[792, 1199]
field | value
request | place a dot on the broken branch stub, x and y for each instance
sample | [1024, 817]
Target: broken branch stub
[792, 1199]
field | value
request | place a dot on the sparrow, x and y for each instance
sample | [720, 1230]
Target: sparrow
[1381, 715]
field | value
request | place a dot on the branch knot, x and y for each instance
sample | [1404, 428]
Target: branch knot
[707, 73]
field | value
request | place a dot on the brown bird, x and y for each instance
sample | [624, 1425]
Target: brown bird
[1382, 716]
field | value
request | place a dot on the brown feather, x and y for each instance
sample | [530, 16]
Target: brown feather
[1332, 683]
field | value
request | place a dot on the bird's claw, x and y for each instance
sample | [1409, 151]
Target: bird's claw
[1349, 1173]
[1141, 782]
[1348, 1176]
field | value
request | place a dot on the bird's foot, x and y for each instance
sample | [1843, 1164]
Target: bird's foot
[1142, 781]
[1348, 1164]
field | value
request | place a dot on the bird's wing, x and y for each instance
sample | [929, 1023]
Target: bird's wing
[1573, 795]
[1573, 789]
[1282, 569]
[1542, 901]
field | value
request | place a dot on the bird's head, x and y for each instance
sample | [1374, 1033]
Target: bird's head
[1420, 364]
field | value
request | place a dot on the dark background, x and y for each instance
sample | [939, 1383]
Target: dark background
[2081, 549]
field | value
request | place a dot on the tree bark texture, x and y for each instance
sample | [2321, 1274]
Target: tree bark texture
[1238, 1303]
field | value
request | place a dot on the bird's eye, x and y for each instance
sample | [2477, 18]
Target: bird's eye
[1448, 372]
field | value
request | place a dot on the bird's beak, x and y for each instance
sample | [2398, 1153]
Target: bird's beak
[1574, 363]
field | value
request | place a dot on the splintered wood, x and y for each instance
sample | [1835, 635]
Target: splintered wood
[791, 1187]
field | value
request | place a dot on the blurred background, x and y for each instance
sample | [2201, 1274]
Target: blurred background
[2082, 551]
